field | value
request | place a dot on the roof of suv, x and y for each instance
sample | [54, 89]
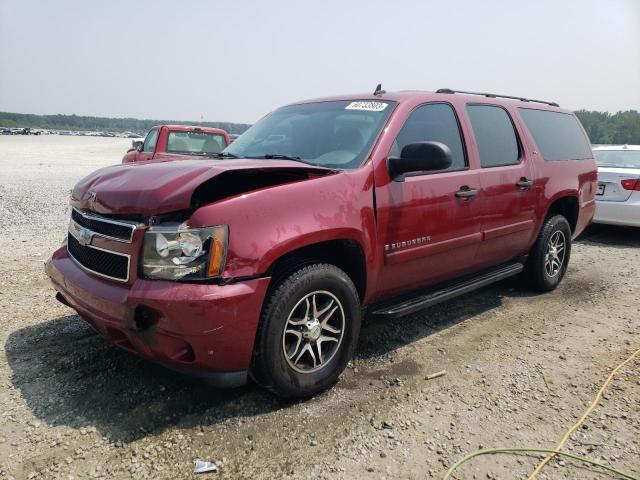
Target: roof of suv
[407, 95]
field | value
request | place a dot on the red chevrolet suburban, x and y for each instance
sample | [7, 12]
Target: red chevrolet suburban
[177, 141]
[262, 261]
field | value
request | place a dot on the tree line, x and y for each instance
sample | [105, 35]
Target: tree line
[102, 124]
[602, 127]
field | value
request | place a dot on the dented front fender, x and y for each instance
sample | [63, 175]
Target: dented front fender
[265, 224]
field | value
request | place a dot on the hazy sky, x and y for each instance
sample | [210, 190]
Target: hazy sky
[236, 60]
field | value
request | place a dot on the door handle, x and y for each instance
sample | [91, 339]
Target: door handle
[524, 183]
[466, 192]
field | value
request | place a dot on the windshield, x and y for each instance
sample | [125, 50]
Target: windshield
[195, 143]
[336, 134]
[618, 158]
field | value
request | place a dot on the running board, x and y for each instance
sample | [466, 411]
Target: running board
[407, 305]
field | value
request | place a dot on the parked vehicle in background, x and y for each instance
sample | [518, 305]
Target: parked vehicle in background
[19, 131]
[233, 137]
[176, 141]
[262, 262]
[618, 196]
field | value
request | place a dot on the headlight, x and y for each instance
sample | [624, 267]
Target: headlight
[182, 253]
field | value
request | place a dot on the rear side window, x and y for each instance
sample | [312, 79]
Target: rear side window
[435, 122]
[558, 135]
[495, 135]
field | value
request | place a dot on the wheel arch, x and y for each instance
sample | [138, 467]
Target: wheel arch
[566, 205]
[345, 253]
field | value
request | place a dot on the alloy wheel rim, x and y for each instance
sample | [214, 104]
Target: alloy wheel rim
[555, 254]
[313, 332]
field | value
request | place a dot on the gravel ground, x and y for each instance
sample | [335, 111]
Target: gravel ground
[521, 368]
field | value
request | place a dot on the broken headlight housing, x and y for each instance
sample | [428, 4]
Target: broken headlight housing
[181, 253]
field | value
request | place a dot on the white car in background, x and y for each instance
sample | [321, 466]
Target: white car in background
[618, 195]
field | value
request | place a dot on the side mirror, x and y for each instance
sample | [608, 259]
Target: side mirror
[137, 145]
[419, 157]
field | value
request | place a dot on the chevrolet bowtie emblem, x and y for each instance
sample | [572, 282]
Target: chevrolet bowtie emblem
[84, 236]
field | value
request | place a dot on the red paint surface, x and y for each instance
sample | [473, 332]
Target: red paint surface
[362, 205]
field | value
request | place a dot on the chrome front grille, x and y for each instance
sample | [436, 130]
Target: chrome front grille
[119, 230]
[99, 261]
[84, 228]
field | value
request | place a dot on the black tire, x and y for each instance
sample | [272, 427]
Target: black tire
[271, 368]
[537, 270]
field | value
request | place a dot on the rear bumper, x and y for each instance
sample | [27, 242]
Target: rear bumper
[206, 330]
[619, 213]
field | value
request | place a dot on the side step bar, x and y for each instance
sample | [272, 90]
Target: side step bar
[407, 305]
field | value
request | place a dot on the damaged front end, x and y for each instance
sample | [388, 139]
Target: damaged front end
[232, 183]
[144, 190]
[149, 281]
[132, 221]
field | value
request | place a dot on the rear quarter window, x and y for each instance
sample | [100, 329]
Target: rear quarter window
[558, 135]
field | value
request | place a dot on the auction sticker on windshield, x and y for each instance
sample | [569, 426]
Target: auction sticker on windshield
[369, 106]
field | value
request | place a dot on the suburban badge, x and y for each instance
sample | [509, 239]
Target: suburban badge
[409, 243]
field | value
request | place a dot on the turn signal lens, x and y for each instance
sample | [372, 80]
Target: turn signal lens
[218, 252]
[631, 184]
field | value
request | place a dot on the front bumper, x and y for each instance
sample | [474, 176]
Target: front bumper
[202, 329]
[619, 213]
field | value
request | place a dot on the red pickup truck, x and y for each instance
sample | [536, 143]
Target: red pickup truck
[175, 141]
[263, 260]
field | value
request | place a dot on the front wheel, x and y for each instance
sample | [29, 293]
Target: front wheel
[549, 257]
[308, 331]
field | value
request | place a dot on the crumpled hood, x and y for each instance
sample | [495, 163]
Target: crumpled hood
[153, 188]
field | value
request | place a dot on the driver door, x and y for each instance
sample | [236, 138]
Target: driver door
[429, 230]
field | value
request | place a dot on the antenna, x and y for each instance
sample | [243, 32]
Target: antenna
[379, 90]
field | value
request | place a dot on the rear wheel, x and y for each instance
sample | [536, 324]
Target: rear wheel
[549, 257]
[308, 331]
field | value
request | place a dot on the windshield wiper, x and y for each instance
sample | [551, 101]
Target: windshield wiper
[223, 155]
[277, 156]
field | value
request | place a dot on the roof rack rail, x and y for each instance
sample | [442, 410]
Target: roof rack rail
[495, 95]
